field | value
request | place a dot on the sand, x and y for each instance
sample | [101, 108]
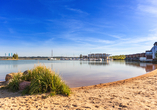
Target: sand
[139, 93]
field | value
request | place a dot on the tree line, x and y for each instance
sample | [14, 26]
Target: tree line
[118, 57]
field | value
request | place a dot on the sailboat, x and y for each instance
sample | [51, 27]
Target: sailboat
[51, 55]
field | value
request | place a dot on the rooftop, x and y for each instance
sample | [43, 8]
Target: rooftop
[155, 43]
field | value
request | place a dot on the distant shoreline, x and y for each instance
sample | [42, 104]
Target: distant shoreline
[9, 59]
[25, 58]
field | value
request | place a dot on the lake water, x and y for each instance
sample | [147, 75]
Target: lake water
[81, 73]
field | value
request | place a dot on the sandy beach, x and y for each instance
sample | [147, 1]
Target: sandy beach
[139, 93]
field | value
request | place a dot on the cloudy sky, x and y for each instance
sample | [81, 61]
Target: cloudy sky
[73, 27]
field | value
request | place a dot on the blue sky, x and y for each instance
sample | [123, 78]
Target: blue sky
[73, 27]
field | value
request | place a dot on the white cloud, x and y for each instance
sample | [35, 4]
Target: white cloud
[86, 39]
[76, 10]
[152, 2]
[11, 30]
[148, 9]
[153, 30]
[148, 6]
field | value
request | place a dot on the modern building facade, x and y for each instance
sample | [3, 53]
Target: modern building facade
[135, 56]
[149, 55]
[98, 55]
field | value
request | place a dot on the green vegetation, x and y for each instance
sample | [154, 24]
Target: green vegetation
[14, 84]
[118, 57]
[15, 56]
[43, 80]
[81, 56]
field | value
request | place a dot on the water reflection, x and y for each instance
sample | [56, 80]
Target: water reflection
[83, 62]
[98, 63]
[119, 61]
[147, 66]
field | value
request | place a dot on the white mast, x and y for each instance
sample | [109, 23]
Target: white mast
[51, 54]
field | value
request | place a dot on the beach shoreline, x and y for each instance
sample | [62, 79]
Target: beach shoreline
[134, 93]
[120, 82]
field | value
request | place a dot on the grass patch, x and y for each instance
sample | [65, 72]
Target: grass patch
[43, 80]
[14, 83]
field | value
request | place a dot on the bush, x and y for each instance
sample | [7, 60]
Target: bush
[14, 84]
[42, 80]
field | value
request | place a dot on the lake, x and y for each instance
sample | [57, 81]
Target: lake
[81, 73]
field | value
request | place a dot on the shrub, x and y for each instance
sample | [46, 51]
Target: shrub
[43, 80]
[14, 84]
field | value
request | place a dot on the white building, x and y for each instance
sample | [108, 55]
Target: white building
[150, 55]
[154, 50]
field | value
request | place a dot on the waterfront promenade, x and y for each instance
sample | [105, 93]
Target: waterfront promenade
[135, 93]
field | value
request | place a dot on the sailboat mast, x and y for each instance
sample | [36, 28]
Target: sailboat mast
[52, 53]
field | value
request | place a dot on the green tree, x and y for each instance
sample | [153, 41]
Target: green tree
[15, 56]
[118, 57]
[80, 55]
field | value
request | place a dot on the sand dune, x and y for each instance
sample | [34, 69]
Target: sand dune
[139, 93]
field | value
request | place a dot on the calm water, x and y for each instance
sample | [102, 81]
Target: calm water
[81, 73]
